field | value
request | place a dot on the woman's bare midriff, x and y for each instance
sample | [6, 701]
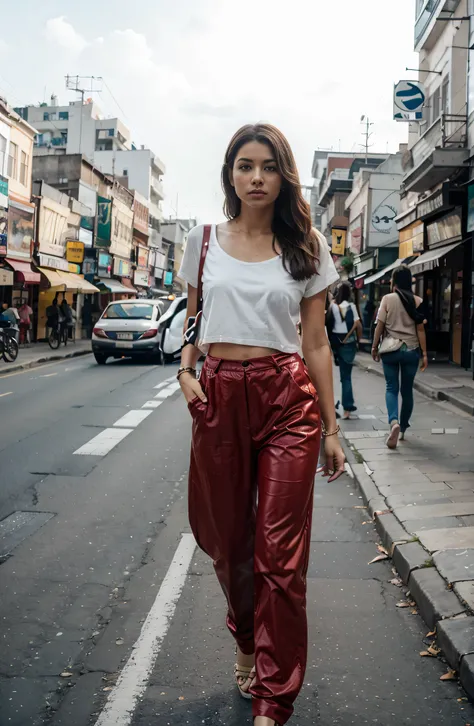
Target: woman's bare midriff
[230, 351]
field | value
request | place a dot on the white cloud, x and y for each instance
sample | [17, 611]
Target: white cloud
[202, 70]
[59, 31]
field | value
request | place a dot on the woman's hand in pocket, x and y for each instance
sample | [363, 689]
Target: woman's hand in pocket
[191, 388]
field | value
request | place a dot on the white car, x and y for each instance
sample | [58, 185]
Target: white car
[170, 329]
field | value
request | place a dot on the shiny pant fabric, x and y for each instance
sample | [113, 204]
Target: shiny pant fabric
[254, 455]
[400, 368]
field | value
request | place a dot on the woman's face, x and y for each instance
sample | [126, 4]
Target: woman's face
[255, 175]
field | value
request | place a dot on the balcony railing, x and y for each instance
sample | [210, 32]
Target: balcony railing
[157, 188]
[449, 131]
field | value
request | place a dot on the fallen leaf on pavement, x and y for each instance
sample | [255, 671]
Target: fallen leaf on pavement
[379, 558]
[181, 698]
[107, 688]
[359, 506]
[396, 581]
[119, 641]
[426, 654]
[414, 612]
[430, 635]
[66, 674]
[406, 604]
[434, 650]
[379, 512]
[449, 676]
[381, 548]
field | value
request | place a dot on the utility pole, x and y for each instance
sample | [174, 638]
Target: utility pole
[79, 84]
[367, 134]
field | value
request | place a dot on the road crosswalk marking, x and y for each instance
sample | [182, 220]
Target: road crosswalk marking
[101, 444]
[132, 418]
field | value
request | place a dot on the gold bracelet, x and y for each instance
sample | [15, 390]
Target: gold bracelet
[186, 369]
[331, 433]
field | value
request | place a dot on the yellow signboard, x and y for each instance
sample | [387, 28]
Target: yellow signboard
[339, 241]
[75, 252]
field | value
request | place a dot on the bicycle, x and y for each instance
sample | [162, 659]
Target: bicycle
[57, 336]
[8, 346]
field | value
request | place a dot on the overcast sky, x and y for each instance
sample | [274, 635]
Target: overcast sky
[185, 74]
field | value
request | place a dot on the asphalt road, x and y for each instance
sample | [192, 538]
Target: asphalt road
[99, 580]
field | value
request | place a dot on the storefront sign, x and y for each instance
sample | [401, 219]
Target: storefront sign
[470, 208]
[168, 278]
[3, 231]
[104, 265]
[104, 222]
[355, 231]
[88, 268]
[142, 257]
[20, 229]
[411, 240]
[75, 252]
[85, 236]
[52, 227]
[141, 278]
[56, 263]
[74, 268]
[444, 229]
[338, 241]
[382, 225]
[3, 192]
[432, 204]
[121, 267]
[6, 277]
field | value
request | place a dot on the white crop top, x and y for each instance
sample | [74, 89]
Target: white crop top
[250, 303]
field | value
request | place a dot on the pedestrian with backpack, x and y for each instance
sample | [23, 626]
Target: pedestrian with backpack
[344, 329]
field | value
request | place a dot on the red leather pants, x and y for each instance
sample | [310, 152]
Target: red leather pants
[254, 454]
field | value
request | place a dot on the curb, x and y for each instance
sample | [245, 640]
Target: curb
[439, 606]
[436, 395]
[45, 359]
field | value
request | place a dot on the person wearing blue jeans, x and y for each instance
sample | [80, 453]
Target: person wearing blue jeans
[400, 327]
[400, 369]
[345, 327]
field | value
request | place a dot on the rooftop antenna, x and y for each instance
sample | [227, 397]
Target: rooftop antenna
[82, 85]
[367, 134]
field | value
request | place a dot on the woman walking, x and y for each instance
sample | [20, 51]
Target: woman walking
[346, 329]
[257, 417]
[400, 326]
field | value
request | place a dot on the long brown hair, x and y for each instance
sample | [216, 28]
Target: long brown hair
[292, 219]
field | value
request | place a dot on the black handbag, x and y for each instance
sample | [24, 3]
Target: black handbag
[191, 334]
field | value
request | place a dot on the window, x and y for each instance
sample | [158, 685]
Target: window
[3, 151]
[13, 161]
[24, 169]
[178, 320]
[125, 172]
[445, 96]
[64, 115]
[135, 311]
[111, 132]
[45, 116]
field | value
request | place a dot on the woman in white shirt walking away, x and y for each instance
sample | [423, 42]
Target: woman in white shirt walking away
[258, 412]
[346, 328]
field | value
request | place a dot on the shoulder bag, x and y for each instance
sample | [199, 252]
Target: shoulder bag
[390, 345]
[191, 334]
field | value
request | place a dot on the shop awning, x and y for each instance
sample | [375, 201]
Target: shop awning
[67, 281]
[23, 272]
[429, 260]
[382, 273]
[116, 287]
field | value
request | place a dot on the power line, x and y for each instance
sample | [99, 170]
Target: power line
[114, 99]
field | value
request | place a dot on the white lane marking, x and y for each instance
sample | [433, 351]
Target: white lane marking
[165, 393]
[101, 444]
[152, 404]
[174, 386]
[166, 382]
[6, 394]
[133, 680]
[48, 375]
[132, 418]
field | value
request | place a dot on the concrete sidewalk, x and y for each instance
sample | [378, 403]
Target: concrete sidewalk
[421, 497]
[441, 381]
[37, 353]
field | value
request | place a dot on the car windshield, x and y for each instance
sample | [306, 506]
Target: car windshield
[135, 311]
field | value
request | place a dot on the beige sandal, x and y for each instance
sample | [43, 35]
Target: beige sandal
[244, 677]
